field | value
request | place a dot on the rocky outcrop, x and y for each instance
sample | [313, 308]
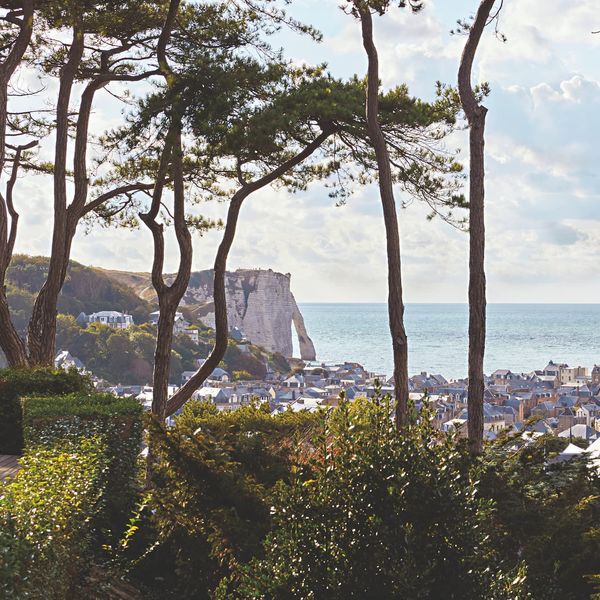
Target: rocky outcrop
[260, 303]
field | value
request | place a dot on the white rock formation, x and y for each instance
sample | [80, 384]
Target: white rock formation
[260, 303]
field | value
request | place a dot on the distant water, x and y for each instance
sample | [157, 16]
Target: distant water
[520, 337]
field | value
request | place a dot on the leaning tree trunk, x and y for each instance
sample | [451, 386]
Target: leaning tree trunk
[217, 353]
[475, 114]
[390, 217]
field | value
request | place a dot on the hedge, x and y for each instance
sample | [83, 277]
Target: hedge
[214, 480]
[16, 383]
[117, 422]
[46, 516]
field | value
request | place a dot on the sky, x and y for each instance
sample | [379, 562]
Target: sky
[542, 164]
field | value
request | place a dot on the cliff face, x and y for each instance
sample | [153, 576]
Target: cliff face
[260, 303]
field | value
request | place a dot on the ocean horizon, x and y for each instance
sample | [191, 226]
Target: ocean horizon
[520, 336]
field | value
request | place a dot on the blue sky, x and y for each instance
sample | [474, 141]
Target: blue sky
[543, 199]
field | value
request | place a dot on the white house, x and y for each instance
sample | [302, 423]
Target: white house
[180, 325]
[65, 360]
[112, 318]
[590, 412]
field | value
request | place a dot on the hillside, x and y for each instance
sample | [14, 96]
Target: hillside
[124, 356]
[86, 289]
[260, 302]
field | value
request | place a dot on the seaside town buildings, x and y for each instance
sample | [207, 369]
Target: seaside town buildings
[556, 399]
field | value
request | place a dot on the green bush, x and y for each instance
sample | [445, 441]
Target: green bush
[546, 515]
[378, 514]
[237, 360]
[46, 514]
[242, 376]
[117, 422]
[16, 383]
[213, 492]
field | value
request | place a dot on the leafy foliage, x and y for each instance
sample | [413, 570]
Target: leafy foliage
[45, 519]
[376, 514]
[546, 515]
[127, 355]
[17, 383]
[115, 422]
[86, 289]
[213, 484]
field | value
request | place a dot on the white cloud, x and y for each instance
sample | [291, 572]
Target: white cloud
[543, 199]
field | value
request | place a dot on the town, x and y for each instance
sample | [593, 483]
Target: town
[557, 399]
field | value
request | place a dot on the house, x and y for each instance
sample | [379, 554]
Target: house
[179, 322]
[571, 451]
[214, 394]
[502, 376]
[544, 409]
[306, 404]
[493, 419]
[458, 425]
[580, 431]
[65, 360]
[573, 374]
[588, 413]
[111, 318]
[180, 325]
[237, 334]
[294, 381]
[260, 394]
[286, 397]
[147, 393]
[218, 374]
[566, 418]
[553, 370]
[186, 376]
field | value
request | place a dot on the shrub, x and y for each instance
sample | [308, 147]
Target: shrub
[546, 514]
[236, 360]
[45, 519]
[242, 376]
[377, 514]
[212, 492]
[16, 383]
[117, 422]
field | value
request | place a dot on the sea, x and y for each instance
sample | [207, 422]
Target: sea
[520, 337]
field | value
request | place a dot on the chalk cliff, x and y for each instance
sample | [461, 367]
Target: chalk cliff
[260, 303]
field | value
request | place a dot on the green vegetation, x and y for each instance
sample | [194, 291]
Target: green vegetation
[116, 422]
[304, 506]
[120, 356]
[46, 517]
[215, 479]
[127, 355]
[85, 290]
[333, 505]
[74, 493]
[16, 383]
[549, 512]
[375, 514]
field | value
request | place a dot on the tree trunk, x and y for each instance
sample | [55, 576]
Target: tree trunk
[390, 217]
[42, 326]
[220, 267]
[11, 343]
[475, 114]
[169, 296]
